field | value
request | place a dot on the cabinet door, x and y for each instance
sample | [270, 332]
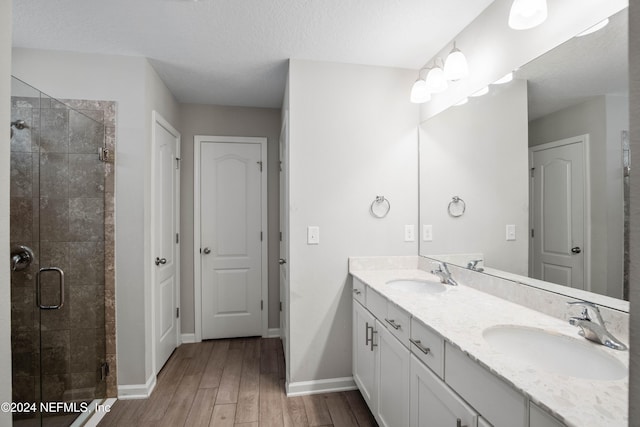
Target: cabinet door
[393, 380]
[364, 354]
[433, 403]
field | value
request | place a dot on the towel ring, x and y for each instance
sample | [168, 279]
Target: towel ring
[380, 207]
[456, 207]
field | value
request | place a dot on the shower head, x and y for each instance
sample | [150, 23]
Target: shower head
[19, 124]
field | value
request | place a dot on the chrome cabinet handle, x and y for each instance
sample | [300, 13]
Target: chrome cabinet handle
[206, 251]
[357, 291]
[366, 334]
[393, 324]
[60, 287]
[418, 343]
[160, 260]
[459, 423]
[372, 344]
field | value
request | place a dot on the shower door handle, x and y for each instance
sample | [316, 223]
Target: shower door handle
[60, 287]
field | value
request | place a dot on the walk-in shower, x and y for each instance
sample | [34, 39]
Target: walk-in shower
[61, 238]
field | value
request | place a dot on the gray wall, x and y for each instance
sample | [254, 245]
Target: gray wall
[634, 82]
[352, 136]
[478, 151]
[135, 87]
[227, 121]
[602, 118]
[5, 279]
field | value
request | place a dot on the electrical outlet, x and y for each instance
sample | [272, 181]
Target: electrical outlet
[511, 232]
[427, 232]
[313, 235]
[409, 233]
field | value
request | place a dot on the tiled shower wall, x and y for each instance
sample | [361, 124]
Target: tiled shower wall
[62, 207]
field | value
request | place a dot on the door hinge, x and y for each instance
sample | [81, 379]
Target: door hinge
[533, 172]
[261, 236]
[280, 165]
[104, 371]
[280, 305]
[177, 162]
[532, 233]
[260, 163]
[177, 237]
[281, 236]
[261, 305]
[177, 312]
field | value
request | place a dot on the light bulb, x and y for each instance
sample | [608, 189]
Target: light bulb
[526, 14]
[456, 68]
[419, 92]
[436, 82]
[506, 79]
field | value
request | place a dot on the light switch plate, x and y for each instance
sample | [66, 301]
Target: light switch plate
[313, 235]
[427, 232]
[511, 232]
[409, 233]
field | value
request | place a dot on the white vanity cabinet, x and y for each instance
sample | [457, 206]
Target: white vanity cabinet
[433, 403]
[540, 418]
[365, 354]
[393, 380]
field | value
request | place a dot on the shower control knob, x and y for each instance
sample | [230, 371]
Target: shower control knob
[160, 260]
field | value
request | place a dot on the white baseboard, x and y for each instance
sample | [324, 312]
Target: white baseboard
[137, 391]
[302, 388]
[273, 333]
[188, 338]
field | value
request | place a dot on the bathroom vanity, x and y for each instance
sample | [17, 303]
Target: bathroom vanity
[426, 353]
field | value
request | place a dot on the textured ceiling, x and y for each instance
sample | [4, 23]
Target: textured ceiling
[234, 52]
[583, 67]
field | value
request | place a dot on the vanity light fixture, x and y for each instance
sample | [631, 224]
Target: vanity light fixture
[436, 81]
[600, 25]
[483, 91]
[526, 14]
[419, 92]
[506, 79]
[456, 67]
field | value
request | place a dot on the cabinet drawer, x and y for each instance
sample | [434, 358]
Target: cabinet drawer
[398, 322]
[428, 346]
[498, 402]
[358, 290]
[376, 304]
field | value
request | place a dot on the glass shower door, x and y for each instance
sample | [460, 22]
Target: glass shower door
[57, 207]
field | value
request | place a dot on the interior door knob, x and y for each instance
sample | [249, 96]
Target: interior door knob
[576, 250]
[282, 261]
[160, 260]
[206, 251]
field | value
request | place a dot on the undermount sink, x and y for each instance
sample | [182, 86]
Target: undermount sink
[418, 286]
[554, 352]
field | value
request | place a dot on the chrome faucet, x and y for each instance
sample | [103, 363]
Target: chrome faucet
[473, 265]
[594, 331]
[444, 274]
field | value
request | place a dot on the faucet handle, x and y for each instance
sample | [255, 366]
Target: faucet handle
[586, 305]
[473, 264]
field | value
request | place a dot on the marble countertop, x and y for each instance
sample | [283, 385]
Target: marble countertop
[461, 314]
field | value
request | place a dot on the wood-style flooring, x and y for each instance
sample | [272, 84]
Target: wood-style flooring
[236, 382]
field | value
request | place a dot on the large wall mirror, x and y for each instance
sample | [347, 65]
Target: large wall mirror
[540, 165]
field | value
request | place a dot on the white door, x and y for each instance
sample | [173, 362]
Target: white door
[166, 146]
[284, 239]
[231, 238]
[393, 380]
[365, 354]
[433, 403]
[559, 212]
